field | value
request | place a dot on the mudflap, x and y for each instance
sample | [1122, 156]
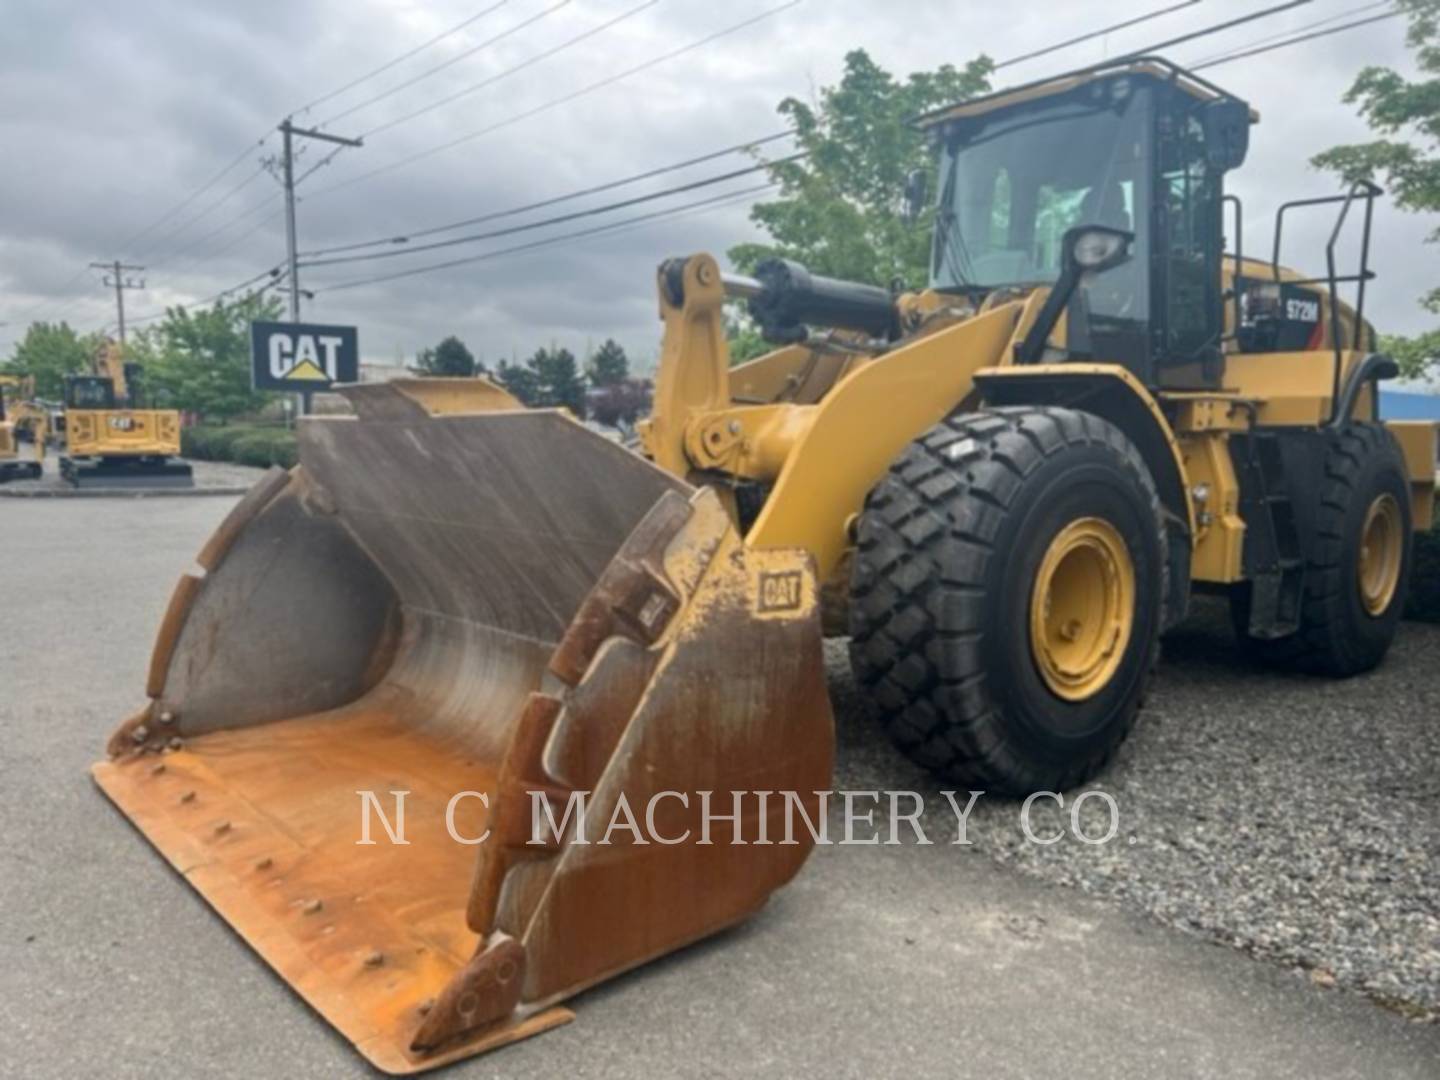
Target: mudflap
[495, 637]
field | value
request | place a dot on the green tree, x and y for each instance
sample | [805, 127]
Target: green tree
[450, 357]
[50, 351]
[547, 380]
[1406, 114]
[200, 361]
[840, 206]
[520, 380]
[608, 365]
[743, 336]
[558, 380]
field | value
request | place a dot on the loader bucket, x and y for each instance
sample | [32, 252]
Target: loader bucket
[500, 603]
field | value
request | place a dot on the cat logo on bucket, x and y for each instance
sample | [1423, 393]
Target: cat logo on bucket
[780, 591]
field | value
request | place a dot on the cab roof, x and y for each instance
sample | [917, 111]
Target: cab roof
[1154, 67]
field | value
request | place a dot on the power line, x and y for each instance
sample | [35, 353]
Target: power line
[554, 103]
[1094, 34]
[1215, 29]
[402, 57]
[577, 215]
[206, 212]
[1284, 33]
[275, 273]
[531, 62]
[609, 80]
[554, 200]
[390, 92]
[226, 171]
[1296, 40]
[249, 148]
[264, 204]
[355, 82]
[713, 203]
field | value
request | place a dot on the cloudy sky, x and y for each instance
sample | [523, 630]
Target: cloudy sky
[116, 113]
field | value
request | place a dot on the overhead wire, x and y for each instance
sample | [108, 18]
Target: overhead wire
[401, 58]
[428, 72]
[1311, 36]
[594, 189]
[713, 202]
[561, 219]
[1047, 50]
[229, 194]
[491, 80]
[1215, 28]
[230, 166]
[589, 88]
[1285, 33]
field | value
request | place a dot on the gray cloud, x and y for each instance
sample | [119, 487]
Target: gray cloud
[116, 112]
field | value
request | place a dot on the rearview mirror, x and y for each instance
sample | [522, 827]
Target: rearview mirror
[917, 186]
[1227, 133]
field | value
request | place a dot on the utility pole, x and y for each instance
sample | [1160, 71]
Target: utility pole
[116, 275]
[289, 131]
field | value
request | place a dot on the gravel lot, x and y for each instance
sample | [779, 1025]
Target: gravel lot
[1292, 817]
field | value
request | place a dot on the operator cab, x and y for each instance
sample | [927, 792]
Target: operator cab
[1137, 150]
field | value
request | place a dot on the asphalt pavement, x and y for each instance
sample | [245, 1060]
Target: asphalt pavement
[876, 961]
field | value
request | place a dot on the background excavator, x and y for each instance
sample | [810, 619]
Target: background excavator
[1008, 483]
[21, 420]
[112, 437]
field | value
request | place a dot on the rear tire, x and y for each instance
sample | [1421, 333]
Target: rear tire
[948, 630]
[1347, 623]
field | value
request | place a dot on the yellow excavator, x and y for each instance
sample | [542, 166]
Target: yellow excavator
[21, 419]
[113, 439]
[584, 685]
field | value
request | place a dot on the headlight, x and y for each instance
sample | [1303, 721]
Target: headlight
[1096, 248]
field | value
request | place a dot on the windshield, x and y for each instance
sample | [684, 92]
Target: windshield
[1014, 183]
[90, 393]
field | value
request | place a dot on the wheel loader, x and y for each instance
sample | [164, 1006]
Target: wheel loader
[112, 438]
[1007, 483]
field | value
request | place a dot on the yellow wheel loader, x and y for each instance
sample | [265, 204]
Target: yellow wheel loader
[112, 439]
[586, 685]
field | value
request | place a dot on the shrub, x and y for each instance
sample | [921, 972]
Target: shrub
[243, 444]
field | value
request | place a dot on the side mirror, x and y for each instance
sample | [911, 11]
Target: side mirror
[1095, 248]
[1227, 133]
[917, 186]
[1088, 250]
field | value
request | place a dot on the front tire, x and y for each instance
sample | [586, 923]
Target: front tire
[1006, 597]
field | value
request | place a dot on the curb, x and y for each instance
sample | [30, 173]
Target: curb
[122, 493]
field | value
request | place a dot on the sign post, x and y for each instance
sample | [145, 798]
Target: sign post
[302, 358]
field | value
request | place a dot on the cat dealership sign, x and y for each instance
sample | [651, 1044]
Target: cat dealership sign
[302, 357]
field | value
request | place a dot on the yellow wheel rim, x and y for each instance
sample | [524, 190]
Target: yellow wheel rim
[1082, 608]
[1382, 547]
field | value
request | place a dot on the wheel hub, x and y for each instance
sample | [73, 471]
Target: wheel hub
[1381, 552]
[1082, 608]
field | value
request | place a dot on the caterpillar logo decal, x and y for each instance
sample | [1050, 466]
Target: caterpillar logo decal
[303, 357]
[782, 590]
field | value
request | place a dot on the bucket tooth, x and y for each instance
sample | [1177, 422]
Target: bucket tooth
[485, 991]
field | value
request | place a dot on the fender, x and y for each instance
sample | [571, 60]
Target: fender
[1112, 392]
